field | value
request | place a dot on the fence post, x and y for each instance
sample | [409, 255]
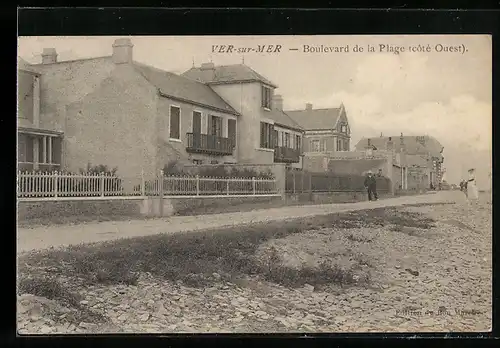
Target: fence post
[161, 181]
[253, 184]
[143, 184]
[102, 184]
[227, 186]
[55, 183]
[197, 184]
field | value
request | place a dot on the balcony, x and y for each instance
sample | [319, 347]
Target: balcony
[286, 155]
[209, 144]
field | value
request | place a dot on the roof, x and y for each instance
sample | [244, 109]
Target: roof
[184, 89]
[411, 144]
[282, 119]
[228, 74]
[25, 66]
[315, 118]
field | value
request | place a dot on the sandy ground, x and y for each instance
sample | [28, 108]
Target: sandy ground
[423, 280]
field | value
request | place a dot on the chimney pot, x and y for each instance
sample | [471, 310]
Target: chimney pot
[49, 56]
[207, 66]
[122, 51]
[278, 102]
[309, 106]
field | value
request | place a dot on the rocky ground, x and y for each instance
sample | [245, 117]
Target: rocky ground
[429, 274]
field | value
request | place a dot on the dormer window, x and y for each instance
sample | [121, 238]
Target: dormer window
[266, 97]
[343, 128]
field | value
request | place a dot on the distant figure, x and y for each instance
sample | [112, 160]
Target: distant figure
[463, 187]
[472, 192]
[371, 186]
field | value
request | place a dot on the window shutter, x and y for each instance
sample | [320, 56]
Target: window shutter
[231, 130]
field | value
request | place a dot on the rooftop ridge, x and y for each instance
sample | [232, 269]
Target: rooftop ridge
[70, 61]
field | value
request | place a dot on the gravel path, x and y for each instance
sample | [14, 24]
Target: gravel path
[64, 235]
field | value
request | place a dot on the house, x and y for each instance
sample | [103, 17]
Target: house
[326, 133]
[270, 135]
[115, 111]
[423, 156]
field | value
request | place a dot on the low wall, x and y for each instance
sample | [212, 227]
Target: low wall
[132, 208]
[44, 210]
[331, 197]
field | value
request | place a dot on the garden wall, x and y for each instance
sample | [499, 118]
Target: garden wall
[132, 208]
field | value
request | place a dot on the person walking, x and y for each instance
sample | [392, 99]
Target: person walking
[472, 192]
[463, 187]
[371, 186]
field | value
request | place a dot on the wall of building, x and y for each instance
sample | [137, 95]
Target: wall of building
[170, 150]
[327, 139]
[114, 125]
[64, 83]
[25, 90]
[246, 99]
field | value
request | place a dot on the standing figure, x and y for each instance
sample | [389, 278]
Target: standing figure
[472, 192]
[371, 186]
[463, 187]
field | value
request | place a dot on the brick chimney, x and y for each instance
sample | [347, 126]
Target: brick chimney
[278, 102]
[122, 51]
[208, 71]
[390, 144]
[49, 56]
[309, 106]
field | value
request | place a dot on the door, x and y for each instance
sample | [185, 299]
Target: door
[196, 129]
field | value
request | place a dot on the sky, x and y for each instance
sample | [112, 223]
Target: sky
[446, 94]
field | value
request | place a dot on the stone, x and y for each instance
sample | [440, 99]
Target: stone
[45, 330]
[84, 302]
[144, 317]
[308, 287]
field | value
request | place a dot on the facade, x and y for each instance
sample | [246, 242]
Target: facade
[121, 113]
[326, 132]
[270, 135]
[421, 158]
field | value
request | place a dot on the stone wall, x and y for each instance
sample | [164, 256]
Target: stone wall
[44, 210]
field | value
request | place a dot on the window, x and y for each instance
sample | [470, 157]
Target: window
[196, 122]
[339, 145]
[297, 142]
[215, 125]
[266, 97]
[314, 145]
[287, 140]
[275, 138]
[266, 135]
[231, 130]
[175, 122]
[22, 147]
[322, 145]
[343, 128]
[197, 161]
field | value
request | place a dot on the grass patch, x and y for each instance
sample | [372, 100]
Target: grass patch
[194, 257]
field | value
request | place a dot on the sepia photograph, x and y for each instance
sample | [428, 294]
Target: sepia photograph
[254, 184]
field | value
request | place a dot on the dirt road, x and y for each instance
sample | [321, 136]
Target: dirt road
[64, 235]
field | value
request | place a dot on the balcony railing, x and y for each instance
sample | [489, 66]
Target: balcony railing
[286, 155]
[211, 144]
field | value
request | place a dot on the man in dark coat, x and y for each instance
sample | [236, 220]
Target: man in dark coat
[371, 186]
